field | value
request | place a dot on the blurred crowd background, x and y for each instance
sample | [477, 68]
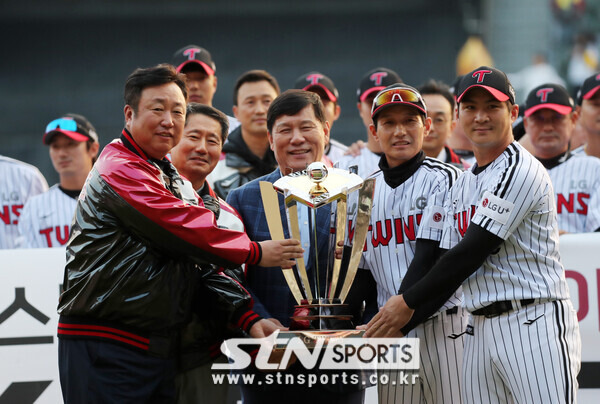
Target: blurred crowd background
[62, 56]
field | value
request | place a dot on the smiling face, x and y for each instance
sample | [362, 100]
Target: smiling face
[486, 121]
[157, 125]
[298, 140]
[400, 131]
[199, 150]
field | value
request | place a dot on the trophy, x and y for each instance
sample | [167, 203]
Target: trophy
[320, 310]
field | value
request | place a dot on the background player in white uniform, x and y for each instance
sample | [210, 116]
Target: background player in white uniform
[46, 218]
[588, 124]
[19, 182]
[372, 82]
[549, 120]
[524, 346]
[410, 190]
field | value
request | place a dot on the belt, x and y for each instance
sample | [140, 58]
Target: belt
[452, 310]
[500, 307]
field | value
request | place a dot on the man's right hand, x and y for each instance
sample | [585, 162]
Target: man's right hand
[265, 327]
[280, 253]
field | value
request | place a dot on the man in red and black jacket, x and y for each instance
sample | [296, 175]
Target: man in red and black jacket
[140, 243]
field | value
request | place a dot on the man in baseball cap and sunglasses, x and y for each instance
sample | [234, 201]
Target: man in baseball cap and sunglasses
[501, 236]
[410, 191]
[46, 218]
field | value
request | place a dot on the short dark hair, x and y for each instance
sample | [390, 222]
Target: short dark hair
[253, 76]
[437, 87]
[194, 108]
[142, 78]
[291, 102]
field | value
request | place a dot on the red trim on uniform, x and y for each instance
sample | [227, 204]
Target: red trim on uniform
[369, 91]
[497, 94]
[138, 183]
[591, 93]
[106, 329]
[107, 335]
[134, 144]
[330, 95]
[73, 135]
[561, 109]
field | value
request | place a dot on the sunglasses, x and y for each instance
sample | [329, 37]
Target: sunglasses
[404, 95]
[62, 123]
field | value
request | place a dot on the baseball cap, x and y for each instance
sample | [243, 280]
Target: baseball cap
[550, 96]
[74, 126]
[376, 80]
[589, 87]
[311, 80]
[488, 78]
[397, 94]
[194, 55]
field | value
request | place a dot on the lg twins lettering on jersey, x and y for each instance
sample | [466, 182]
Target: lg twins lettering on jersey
[513, 199]
[46, 220]
[399, 216]
[19, 182]
[576, 184]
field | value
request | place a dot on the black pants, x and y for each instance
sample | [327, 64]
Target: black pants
[101, 372]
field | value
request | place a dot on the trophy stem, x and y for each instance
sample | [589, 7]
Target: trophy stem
[316, 273]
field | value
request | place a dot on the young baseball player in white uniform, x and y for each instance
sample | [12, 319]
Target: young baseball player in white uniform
[410, 190]
[46, 218]
[20, 181]
[549, 120]
[502, 236]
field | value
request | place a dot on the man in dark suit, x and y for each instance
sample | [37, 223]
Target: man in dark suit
[298, 133]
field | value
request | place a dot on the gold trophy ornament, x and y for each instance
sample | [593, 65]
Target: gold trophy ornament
[320, 308]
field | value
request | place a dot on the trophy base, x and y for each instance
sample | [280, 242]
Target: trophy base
[321, 315]
[310, 337]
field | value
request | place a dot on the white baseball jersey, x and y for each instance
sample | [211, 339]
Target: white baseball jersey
[46, 220]
[513, 199]
[579, 151]
[576, 183]
[367, 162]
[19, 182]
[399, 216]
[531, 354]
[336, 150]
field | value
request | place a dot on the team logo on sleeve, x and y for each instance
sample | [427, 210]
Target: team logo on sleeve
[437, 216]
[495, 208]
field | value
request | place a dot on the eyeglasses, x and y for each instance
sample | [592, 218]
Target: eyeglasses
[391, 95]
[62, 123]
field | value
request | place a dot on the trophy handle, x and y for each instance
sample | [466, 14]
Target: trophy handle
[365, 203]
[271, 205]
[340, 235]
[295, 230]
